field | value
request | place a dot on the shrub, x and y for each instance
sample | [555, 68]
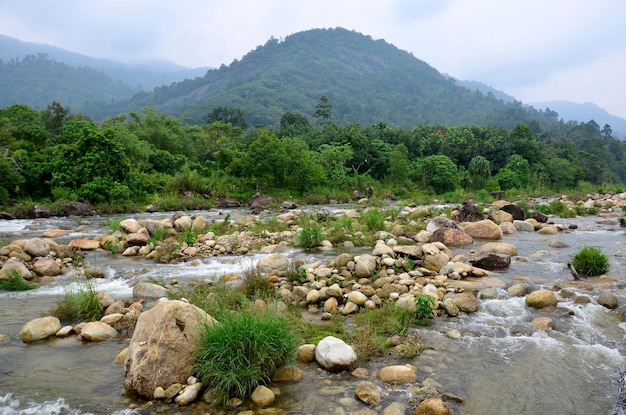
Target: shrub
[15, 282]
[311, 234]
[256, 285]
[424, 303]
[590, 262]
[80, 303]
[373, 219]
[243, 351]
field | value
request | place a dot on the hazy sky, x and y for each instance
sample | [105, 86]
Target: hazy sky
[535, 50]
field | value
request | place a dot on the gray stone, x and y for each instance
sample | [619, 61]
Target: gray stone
[39, 329]
[334, 355]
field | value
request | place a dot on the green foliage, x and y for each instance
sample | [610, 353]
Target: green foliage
[311, 234]
[590, 262]
[81, 302]
[424, 304]
[16, 282]
[243, 351]
[256, 285]
[373, 219]
[439, 173]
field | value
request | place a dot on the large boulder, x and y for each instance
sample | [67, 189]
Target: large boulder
[483, 229]
[334, 355]
[397, 374]
[277, 264]
[260, 202]
[469, 212]
[517, 212]
[499, 248]
[36, 247]
[79, 209]
[39, 211]
[130, 225]
[148, 291]
[451, 236]
[47, 267]
[228, 203]
[432, 406]
[163, 347]
[39, 329]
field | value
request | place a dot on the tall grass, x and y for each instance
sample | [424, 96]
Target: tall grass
[590, 262]
[80, 303]
[243, 351]
[15, 282]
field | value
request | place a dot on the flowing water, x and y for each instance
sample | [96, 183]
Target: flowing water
[500, 365]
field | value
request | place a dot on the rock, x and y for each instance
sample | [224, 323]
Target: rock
[137, 239]
[432, 406]
[451, 236]
[130, 225]
[499, 248]
[46, 267]
[189, 394]
[450, 307]
[357, 298]
[183, 222]
[397, 374]
[334, 355]
[39, 211]
[548, 230]
[394, 408]
[152, 209]
[523, 226]
[84, 244]
[555, 243]
[228, 202]
[608, 299]
[7, 216]
[17, 265]
[277, 264]
[381, 249]
[53, 233]
[148, 291]
[368, 393]
[508, 228]
[200, 224]
[488, 260]
[440, 222]
[539, 216]
[306, 353]
[36, 247]
[541, 299]
[517, 212]
[517, 290]
[483, 229]
[260, 202]
[365, 265]
[79, 209]
[466, 302]
[39, 329]
[288, 374]
[469, 212]
[411, 251]
[500, 216]
[262, 396]
[543, 323]
[163, 346]
[97, 331]
[349, 308]
[435, 262]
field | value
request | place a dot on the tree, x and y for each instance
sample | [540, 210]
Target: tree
[228, 115]
[303, 169]
[265, 160]
[439, 173]
[293, 124]
[323, 112]
[516, 173]
[479, 171]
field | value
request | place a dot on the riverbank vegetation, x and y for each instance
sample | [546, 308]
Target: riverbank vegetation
[134, 159]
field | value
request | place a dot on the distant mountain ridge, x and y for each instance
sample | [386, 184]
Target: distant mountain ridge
[144, 75]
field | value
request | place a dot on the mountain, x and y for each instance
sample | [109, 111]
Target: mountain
[144, 75]
[586, 112]
[366, 81]
[486, 89]
[37, 81]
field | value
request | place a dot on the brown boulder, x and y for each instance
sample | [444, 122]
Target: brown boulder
[483, 229]
[163, 347]
[541, 299]
[451, 236]
[432, 406]
[490, 260]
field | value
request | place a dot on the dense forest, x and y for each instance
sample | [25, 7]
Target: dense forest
[53, 155]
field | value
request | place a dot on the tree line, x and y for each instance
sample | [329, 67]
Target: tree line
[54, 154]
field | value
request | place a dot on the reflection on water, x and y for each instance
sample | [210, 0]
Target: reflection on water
[501, 364]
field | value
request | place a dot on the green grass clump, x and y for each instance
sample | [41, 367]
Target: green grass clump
[16, 282]
[80, 303]
[373, 219]
[311, 233]
[256, 285]
[590, 261]
[243, 351]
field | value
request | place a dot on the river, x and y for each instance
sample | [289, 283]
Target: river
[500, 365]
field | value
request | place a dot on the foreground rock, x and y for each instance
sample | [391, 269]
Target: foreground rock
[163, 347]
[334, 355]
[39, 329]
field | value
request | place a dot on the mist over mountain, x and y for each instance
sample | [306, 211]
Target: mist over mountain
[142, 75]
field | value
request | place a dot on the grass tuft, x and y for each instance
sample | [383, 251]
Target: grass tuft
[81, 303]
[16, 282]
[590, 262]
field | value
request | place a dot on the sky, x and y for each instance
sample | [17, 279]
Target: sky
[534, 50]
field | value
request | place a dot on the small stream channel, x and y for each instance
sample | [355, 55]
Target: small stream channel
[500, 365]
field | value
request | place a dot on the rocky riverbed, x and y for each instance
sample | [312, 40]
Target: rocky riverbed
[412, 257]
